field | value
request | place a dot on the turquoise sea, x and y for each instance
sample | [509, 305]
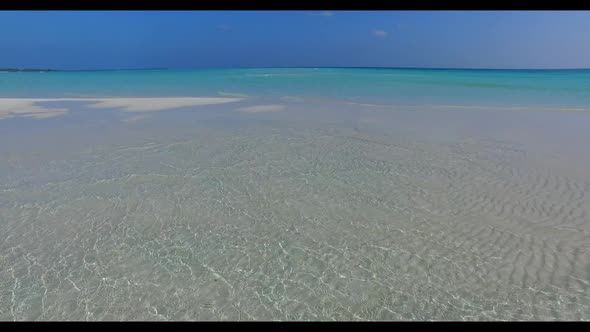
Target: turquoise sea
[546, 88]
[295, 194]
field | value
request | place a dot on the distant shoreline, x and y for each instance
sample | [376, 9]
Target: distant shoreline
[16, 70]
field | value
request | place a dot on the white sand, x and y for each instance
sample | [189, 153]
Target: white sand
[10, 107]
[28, 107]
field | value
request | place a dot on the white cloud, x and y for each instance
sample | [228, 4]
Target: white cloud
[380, 33]
[325, 13]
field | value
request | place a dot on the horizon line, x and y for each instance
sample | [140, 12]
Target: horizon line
[12, 69]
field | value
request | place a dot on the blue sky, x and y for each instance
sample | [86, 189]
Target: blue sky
[188, 39]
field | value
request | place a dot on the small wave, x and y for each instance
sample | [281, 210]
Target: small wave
[262, 108]
[231, 94]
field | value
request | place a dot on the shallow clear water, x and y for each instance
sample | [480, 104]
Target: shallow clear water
[384, 208]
